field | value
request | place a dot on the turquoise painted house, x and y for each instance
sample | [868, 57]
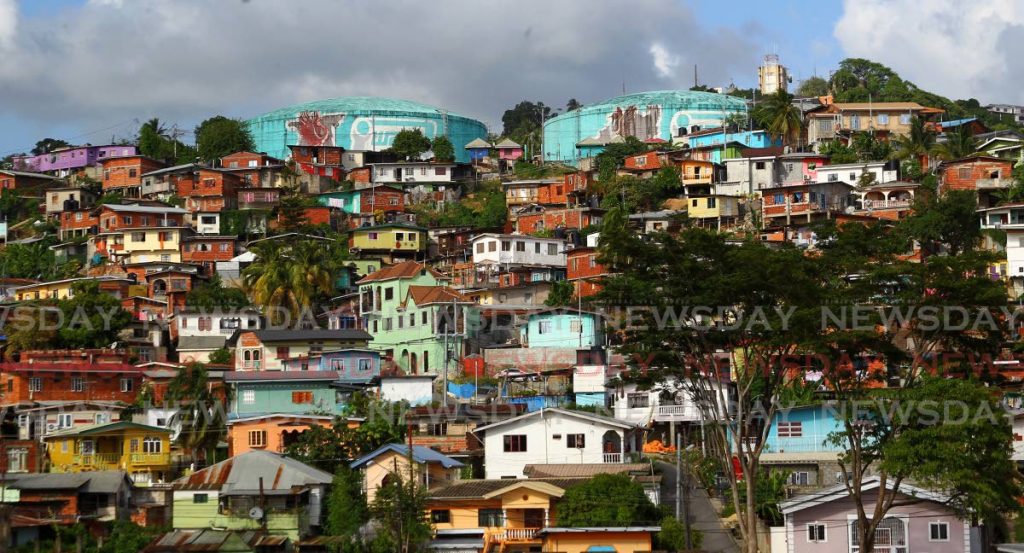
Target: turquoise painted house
[564, 328]
[299, 392]
[804, 429]
[720, 137]
[352, 366]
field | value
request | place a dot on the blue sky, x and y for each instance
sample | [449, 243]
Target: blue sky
[85, 70]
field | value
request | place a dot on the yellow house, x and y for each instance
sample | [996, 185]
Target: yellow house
[713, 209]
[143, 245]
[61, 289]
[430, 468]
[513, 516]
[142, 451]
[396, 239]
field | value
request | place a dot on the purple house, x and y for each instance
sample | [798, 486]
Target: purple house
[354, 366]
[509, 150]
[825, 522]
[67, 160]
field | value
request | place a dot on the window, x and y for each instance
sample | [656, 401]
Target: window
[552, 249]
[638, 401]
[833, 177]
[883, 119]
[282, 352]
[423, 318]
[853, 177]
[412, 319]
[938, 531]
[520, 246]
[152, 444]
[490, 518]
[302, 397]
[127, 385]
[791, 429]
[759, 165]
[77, 384]
[35, 384]
[257, 438]
[515, 443]
[799, 479]
[64, 420]
[536, 247]
[694, 202]
[575, 441]
[200, 498]
[855, 122]
[816, 532]
[480, 247]
[132, 173]
[576, 326]
[905, 119]
[963, 173]
[711, 203]
[543, 327]
[389, 293]
[399, 236]
[138, 237]
[437, 429]
[779, 199]
[440, 171]
[249, 396]
[373, 236]
[506, 246]
[127, 219]
[441, 516]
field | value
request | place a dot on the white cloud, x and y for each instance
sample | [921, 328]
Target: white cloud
[664, 62]
[955, 48]
[106, 61]
[8, 22]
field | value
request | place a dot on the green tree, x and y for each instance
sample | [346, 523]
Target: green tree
[607, 500]
[672, 536]
[562, 293]
[212, 294]
[346, 504]
[220, 356]
[812, 87]
[200, 414]
[400, 507]
[572, 104]
[612, 157]
[48, 145]
[780, 117]
[443, 149]
[30, 328]
[91, 318]
[287, 278]
[409, 144]
[326, 448]
[153, 139]
[959, 144]
[128, 537]
[219, 136]
[917, 144]
[869, 148]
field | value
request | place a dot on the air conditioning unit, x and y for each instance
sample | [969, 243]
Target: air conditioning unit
[51, 427]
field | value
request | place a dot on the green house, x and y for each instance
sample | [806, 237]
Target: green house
[299, 392]
[227, 496]
[412, 316]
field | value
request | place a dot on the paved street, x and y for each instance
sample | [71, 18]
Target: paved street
[703, 515]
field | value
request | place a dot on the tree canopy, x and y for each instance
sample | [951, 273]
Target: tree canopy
[219, 136]
[409, 144]
[607, 500]
[212, 294]
[443, 149]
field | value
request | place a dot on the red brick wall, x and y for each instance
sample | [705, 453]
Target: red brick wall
[56, 385]
[382, 201]
[32, 460]
[12, 182]
[552, 194]
[127, 171]
[646, 161]
[190, 251]
[975, 170]
[568, 218]
[68, 221]
[360, 175]
[110, 220]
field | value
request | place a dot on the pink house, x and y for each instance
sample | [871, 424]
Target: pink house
[509, 150]
[825, 522]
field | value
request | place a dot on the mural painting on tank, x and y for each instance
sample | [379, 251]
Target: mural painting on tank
[313, 128]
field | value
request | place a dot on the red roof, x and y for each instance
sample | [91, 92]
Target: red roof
[70, 367]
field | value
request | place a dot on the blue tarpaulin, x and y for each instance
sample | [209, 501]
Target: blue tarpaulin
[461, 391]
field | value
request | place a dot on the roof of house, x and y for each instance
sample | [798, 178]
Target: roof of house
[426, 295]
[14, 173]
[280, 376]
[201, 342]
[590, 529]
[606, 421]
[420, 455]
[170, 210]
[507, 143]
[864, 106]
[105, 428]
[205, 539]
[241, 474]
[839, 491]
[299, 335]
[406, 269]
[174, 169]
[477, 489]
[478, 143]
[584, 470]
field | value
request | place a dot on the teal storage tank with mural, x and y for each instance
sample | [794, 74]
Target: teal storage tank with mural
[359, 124]
[656, 116]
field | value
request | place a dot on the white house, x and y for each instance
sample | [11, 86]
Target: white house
[417, 389]
[200, 332]
[411, 172]
[1010, 219]
[206, 222]
[552, 436]
[851, 173]
[518, 249]
[668, 401]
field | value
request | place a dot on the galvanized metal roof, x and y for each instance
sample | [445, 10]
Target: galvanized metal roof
[242, 473]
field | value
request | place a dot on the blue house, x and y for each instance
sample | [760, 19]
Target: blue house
[564, 328]
[352, 366]
[804, 429]
[299, 392]
[719, 137]
[478, 149]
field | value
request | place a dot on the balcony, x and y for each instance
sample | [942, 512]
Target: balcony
[992, 184]
[887, 204]
[611, 458]
[676, 413]
[114, 461]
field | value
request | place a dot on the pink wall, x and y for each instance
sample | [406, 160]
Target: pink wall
[834, 516]
[510, 153]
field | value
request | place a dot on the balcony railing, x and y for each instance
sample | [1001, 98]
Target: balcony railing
[112, 460]
[117, 460]
[887, 204]
[516, 535]
[675, 413]
[612, 457]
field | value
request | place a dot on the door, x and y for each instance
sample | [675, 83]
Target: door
[533, 518]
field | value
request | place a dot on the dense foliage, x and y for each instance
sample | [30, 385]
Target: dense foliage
[607, 500]
[219, 136]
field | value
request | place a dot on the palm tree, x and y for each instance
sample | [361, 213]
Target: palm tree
[780, 117]
[917, 144]
[958, 145]
[199, 420]
[287, 278]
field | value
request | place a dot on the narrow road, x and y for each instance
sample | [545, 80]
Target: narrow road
[702, 513]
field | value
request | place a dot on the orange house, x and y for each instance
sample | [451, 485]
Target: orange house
[583, 270]
[977, 173]
[213, 191]
[273, 432]
[124, 174]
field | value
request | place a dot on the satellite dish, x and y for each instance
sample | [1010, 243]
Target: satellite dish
[256, 513]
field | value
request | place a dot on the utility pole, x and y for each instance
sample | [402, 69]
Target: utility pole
[686, 501]
[679, 475]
